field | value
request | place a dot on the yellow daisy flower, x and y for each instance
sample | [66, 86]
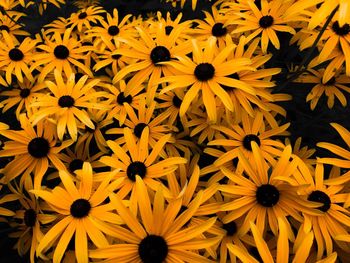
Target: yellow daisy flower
[16, 60]
[334, 219]
[207, 72]
[160, 236]
[213, 25]
[260, 194]
[170, 24]
[118, 101]
[22, 94]
[112, 30]
[137, 160]
[238, 138]
[61, 53]
[34, 149]
[140, 118]
[67, 102]
[331, 87]
[266, 22]
[150, 54]
[84, 19]
[11, 27]
[79, 205]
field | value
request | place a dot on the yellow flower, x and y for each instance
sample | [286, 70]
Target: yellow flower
[34, 149]
[16, 60]
[61, 53]
[79, 205]
[67, 102]
[160, 236]
[207, 72]
[266, 22]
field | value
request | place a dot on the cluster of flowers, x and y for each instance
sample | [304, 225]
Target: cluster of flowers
[160, 140]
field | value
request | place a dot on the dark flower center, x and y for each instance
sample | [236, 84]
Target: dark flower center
[320, 197]
[248, 139]
[76, 164]
[266, 21]
[82, 15]
[218, 30]
[267, 195]
[153, 249]
[121, 98]
[330, 82]
[139, 128]
[80, 208]
[38, 147]
[116, 56]
[24, 93]
[231, 228]
[113, 30]
[61, 52]
[136, 168]
[16, 54]
[168, 30]
[29, 217]
[66, 101]
[204, 71]
[160, 54]
[177, 101]
[341, 31]
[4, 27]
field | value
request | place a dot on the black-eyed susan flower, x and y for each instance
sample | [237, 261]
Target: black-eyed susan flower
[150, 53]
[213, 25]
[137, 160]
[259, 195]
[16, 60]
[11, 27]
[66, 104]
[239, 137]
[112, 30]
[34, 149]
[107, 59]
[160, 235]
[266, 22]
[21, 95]
[79, 205]
[334, 219]
[332, 87]
[209, 70]
[118, 100]
[140, 118]
[61, 52]
[171, 24]
[86, 17]
[74, 159]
